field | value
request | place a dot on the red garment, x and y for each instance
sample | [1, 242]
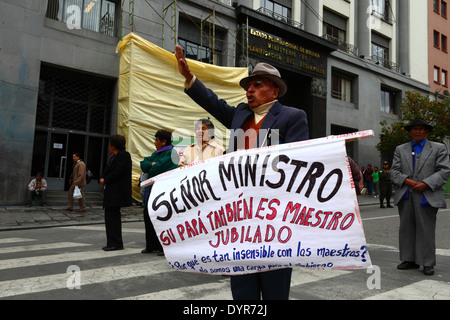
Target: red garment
[250, 138]
[368, 174]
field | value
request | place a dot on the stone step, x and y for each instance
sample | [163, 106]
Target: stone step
[59, 198]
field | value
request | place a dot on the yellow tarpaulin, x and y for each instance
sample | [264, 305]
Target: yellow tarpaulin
[151, 97]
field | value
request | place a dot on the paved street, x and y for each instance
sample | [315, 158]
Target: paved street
[66, 262]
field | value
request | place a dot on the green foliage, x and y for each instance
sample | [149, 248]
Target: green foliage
[414, 106]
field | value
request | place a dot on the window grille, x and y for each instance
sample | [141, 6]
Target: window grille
[73, 101]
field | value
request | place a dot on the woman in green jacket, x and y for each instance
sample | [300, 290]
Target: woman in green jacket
[165, 158]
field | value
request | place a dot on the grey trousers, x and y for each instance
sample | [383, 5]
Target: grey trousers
[417, 231]
[81, 202]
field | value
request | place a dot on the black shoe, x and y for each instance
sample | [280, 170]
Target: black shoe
[112, 248]
[382, 206]
[160, 253]
[428, 271]
[405, 265]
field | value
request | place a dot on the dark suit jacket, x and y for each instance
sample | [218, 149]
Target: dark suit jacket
[117, 176]
[432, 167]
[289, 123]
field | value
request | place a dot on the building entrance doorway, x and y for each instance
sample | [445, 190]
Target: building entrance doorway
[73, 115]
[53, 153]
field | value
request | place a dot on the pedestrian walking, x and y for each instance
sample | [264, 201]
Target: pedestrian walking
[77, 179]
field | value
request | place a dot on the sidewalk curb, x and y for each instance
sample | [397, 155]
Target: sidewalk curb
[15, 218]
[25, 218]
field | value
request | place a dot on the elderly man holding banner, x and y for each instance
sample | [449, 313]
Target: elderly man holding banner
[256, 123]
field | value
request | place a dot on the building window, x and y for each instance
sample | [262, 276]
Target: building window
[387, 101]
[436, 6]
[98, 15]
[277, 10]
[207, 44]
[380, 54]
[341, 87]
[444, 78]
[200, 53]
[436, 39]
[436, 74]
[443, 43]
[334, 32]
[380, 9]
[442, 9]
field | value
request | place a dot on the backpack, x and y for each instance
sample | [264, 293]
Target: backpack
[89, 176]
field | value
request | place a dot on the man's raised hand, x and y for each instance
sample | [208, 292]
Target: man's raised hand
[183, 66]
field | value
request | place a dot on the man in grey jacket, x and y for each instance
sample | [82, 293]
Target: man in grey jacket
[419, 171]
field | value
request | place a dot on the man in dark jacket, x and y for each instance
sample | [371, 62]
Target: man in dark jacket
[116, 180]
[253, 124]
[385, 185]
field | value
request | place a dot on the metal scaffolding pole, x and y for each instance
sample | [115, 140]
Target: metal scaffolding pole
[213, 31]
[173, 21]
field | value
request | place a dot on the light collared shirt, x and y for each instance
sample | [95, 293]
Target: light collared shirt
[33, 185]
[262, 110]
[194, 152]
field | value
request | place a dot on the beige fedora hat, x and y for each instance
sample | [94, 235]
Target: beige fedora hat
[266, 70]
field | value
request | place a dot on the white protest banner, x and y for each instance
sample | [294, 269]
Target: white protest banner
[289, 205]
